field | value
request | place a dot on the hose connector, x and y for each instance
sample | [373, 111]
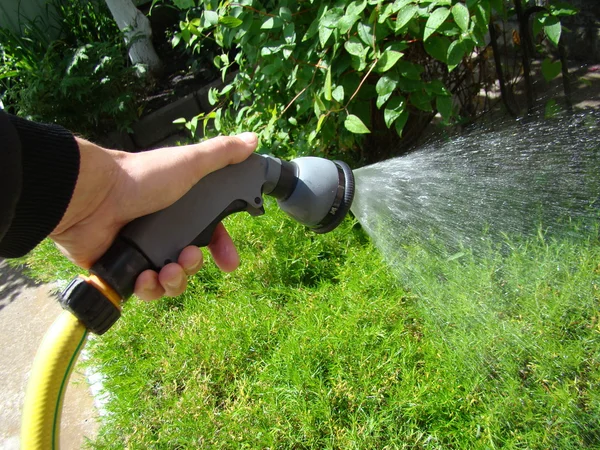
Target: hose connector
[93, 302]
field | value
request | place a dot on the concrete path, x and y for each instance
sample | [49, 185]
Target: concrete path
[26, 311]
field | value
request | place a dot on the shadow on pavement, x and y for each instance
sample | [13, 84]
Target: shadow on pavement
[12, 282]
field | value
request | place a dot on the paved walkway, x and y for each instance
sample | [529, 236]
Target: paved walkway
[26, 311]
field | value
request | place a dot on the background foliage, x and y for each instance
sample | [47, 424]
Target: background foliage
[72, 70]
[321, 75]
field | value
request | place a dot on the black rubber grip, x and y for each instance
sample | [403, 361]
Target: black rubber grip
[121, 265]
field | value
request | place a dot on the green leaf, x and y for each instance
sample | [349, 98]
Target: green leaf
[550, 69]
[211, 18]
[346, 23]
[289, 33]
[482, 15]
[356, 8]
[410, 70]
[324, 35]
[384, 88]
[327, 89]
[176, 39]
[387, 60]
[386, 84]
[230, 21]
[408, 85]
[272, 49]
[436, 87]
[320, 122]
[285, 14]
[355, 125]
[443, 104]
[394, 109]
[270, 69]
[421, 100]
[399, 4]
[184, 4]
[212, 96]
[553, 29]
[401, 121]
[405, 15]
[338, 94]
[365, 32]
[331, 18]
[562, 9]
[386, 12]
[312, 30]
[438, 47]
[271, 23]
[461, 16]
[456, 52]
[436, 19]
[354, 46]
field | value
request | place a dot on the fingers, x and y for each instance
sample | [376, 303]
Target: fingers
[191, 259]
[223, 250]
[172, 279]
[147, 286]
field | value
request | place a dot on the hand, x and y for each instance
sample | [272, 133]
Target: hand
[113, 188]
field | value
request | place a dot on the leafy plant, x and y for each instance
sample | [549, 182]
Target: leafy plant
[321, 75]
[80, 80]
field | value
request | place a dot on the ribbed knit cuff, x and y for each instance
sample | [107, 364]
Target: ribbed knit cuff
[50, 164]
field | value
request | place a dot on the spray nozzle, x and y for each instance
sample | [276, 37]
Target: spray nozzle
[316, 192]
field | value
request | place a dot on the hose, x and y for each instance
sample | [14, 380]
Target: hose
[48, 380]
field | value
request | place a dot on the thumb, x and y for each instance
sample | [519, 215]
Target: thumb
[158, 178]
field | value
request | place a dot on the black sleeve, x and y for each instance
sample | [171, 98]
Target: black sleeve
[39, 165]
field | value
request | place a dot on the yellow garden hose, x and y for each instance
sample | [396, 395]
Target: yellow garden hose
[48, 381]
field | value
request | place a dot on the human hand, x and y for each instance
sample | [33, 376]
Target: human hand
[113, 188]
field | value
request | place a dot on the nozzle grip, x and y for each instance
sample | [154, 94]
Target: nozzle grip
[155, 240]
[162, 235]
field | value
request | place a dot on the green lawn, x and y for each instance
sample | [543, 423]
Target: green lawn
[313, 343]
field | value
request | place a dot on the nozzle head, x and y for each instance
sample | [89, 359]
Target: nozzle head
[322, 193]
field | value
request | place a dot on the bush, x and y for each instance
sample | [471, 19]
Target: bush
[321, 75]
[80, 80]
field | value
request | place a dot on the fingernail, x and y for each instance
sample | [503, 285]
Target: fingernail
[248, 137]
[175, 282]
[193, 269]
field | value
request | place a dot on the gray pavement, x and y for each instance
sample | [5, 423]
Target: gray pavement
[27, 310]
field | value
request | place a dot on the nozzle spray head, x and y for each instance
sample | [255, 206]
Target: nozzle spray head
[315, 191]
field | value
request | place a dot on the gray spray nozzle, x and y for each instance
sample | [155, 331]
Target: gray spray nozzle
[315, 191]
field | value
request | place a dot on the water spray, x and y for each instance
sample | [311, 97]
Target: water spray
[315, 192]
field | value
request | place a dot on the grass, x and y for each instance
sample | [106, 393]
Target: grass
[313, 343]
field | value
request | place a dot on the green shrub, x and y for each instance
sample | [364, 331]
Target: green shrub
[81, 79]
[322, 75]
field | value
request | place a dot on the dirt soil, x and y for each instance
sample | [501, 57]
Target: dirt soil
[27, 310]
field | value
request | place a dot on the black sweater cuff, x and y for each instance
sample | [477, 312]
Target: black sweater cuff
[50, 166]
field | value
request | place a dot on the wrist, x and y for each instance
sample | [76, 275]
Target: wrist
[98, 174]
